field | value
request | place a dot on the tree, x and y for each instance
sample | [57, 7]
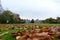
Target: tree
[22, 21]
[58, 19]
[32, 21]
[10, 17]
[49, 20]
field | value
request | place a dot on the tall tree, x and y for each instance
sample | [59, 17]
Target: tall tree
[32, 21]
[8, 17]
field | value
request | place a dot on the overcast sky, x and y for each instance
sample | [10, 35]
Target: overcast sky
[37, 9]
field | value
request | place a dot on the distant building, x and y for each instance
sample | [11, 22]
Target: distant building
[38, 21]
[27, 21]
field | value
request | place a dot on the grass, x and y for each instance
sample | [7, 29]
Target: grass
[8, 36]
[47, 25]
[18, 25]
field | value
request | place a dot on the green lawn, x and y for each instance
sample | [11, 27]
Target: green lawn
[8, 35]
[47, 25]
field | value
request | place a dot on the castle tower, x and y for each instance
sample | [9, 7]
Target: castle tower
[1, 8]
